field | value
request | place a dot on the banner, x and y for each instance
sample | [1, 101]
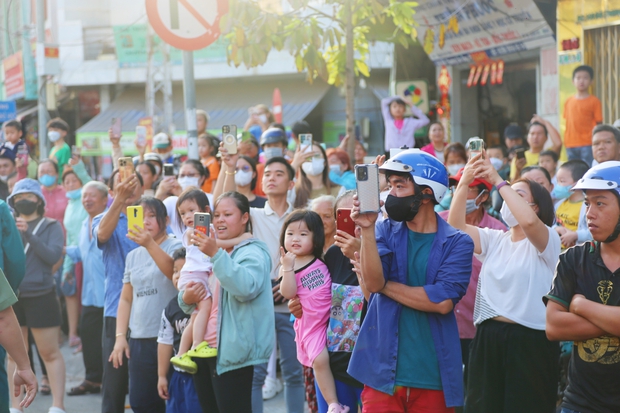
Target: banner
[14, 76]
[452, 30]
[132, 51]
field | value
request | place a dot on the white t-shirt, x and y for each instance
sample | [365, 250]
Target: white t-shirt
[515, 275]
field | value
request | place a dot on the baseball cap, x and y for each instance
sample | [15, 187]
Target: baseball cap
[513, 131]
[457, 178]
[161, 141]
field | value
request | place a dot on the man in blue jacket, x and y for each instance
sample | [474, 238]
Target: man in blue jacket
[417, 267]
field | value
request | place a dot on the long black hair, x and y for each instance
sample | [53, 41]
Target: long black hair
[314, 223]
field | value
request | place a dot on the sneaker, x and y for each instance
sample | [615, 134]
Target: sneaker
[337, 408]
[271, 388]
[185, 363]
[203, 351]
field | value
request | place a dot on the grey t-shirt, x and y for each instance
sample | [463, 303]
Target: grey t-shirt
[152, 291]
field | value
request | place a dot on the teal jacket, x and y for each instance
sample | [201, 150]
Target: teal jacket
[245, 332]
[12, 257]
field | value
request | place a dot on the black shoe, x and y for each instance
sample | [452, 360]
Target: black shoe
[86, 387]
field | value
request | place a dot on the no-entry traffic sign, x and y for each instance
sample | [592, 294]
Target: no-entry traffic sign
[186, 24]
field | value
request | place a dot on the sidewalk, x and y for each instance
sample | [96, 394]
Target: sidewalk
[92, 403]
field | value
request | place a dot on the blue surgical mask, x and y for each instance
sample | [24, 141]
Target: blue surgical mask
[47, 180]
[53, 135]
[561, 191]
[470, 204]
[75, 194]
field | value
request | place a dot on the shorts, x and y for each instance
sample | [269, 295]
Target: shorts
[38, 312]
[201, 277]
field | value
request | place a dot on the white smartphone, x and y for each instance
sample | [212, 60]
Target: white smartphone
[367, 180]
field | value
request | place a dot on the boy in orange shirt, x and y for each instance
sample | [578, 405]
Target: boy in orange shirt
[582, 113]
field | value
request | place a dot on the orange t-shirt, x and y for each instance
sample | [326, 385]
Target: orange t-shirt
[260, 170]
[581, 116]
[213, 166]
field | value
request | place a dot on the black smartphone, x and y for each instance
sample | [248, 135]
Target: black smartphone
[168, 169]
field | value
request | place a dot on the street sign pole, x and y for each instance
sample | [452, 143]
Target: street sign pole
[41, 105]
[189, 93]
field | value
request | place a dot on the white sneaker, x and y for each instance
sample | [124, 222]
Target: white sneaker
[271, 388]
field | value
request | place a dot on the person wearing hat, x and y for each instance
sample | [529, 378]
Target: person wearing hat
[162, 144]
[537, 135]
[513, 135]
[475, 214]
[583, 305]
[416, 267]
[38, 308]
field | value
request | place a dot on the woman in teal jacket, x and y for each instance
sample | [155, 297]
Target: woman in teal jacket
[244, 334]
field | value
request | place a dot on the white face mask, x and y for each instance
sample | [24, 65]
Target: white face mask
[335, 169]
[273, 152]
[243, 178]
[188, 181]
[454, 169]
[497, 163]
[507, 216]
[4, 178]
[314, 167]
[263, 118]
[53, 135]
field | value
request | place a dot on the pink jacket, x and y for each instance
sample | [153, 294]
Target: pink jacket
[429, 149]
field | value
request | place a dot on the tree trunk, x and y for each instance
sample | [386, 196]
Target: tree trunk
[350, 81]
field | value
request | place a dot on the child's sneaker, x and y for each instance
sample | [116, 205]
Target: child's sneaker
[337, 408]
[271, 388]
[203, 351]
[185, 363]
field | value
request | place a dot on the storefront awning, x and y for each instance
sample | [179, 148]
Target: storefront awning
[226, 103]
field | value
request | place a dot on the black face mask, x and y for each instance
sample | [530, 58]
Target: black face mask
[403, 208]
[26, 207]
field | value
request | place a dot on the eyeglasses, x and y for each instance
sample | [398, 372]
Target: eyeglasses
[244, 168]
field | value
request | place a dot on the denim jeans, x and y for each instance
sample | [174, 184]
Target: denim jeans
[581, 152]
[290, 366]
[347, 395]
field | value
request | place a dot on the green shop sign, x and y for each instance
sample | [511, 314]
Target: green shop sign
[131, 48]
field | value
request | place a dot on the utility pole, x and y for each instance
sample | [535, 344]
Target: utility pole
[189, 93]
[41, 80]
[159, 80]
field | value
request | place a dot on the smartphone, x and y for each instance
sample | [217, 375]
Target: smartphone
[520, 153]
[202, 221]
[476, 145]
[22, 153]
[344, 221]
[116, 126]
[305, 142]
[135, 216]
[367, 181]
[76, 150]
[125, 168]
[141, 135]
[168, 169]
[229, 137]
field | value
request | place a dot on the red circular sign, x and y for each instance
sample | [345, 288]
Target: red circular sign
[165, 29]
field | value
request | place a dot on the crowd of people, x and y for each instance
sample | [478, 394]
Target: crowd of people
[463, 292]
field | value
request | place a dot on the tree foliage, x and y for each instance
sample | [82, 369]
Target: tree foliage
[315, 35]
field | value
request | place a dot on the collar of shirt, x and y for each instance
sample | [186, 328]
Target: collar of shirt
[270, 211]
